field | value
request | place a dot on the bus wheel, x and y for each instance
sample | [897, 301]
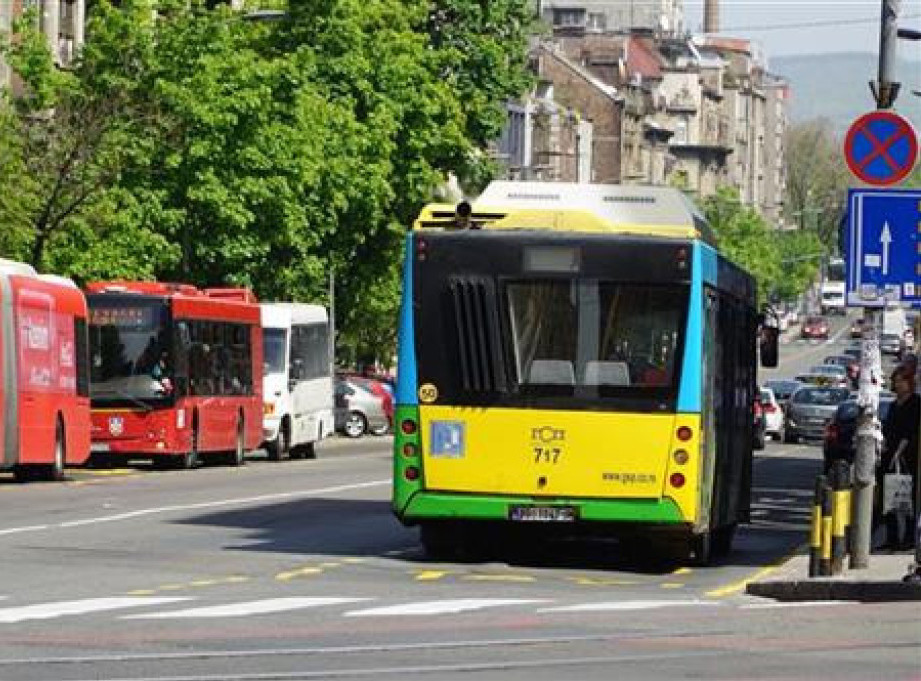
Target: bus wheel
[238, 455]
[437, 541]
[701, 549]
[55, 471]
[722, 540]
[276, 450]
[355, 424]
[309, 451]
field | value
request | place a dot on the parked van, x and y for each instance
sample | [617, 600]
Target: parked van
[298, 383]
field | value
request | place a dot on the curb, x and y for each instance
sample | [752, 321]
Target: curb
[825, 590]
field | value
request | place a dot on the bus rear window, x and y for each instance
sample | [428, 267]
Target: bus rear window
[595, 334]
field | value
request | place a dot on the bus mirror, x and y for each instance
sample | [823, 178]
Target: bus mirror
[768, 346]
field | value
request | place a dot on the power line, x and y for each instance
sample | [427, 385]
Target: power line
[812, 24]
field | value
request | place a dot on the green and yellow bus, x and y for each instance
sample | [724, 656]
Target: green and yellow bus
[575, 359]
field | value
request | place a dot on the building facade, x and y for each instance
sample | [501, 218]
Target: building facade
[596, 16]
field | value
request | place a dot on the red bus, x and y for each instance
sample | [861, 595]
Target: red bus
[44, 374]
[176, 373]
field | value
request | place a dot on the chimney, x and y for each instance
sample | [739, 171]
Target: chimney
[711, 16]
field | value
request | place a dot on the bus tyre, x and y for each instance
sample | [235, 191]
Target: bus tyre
[309, 450]
[55, 470]
[355, 425]
[722, 540]
[437, 541]
[238, 456]
[701, 549]
[277, 449]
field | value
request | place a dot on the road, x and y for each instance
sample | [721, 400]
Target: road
[297, 570]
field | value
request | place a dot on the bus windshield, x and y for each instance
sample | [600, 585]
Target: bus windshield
[130, 351]
[274, 342]
[595, 333]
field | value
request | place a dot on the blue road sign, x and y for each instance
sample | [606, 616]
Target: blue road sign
[883, 247]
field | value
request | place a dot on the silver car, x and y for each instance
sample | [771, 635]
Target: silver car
[809, 411]
[358, 410]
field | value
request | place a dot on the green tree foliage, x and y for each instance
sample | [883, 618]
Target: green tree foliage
[192, 144]
[784, 263]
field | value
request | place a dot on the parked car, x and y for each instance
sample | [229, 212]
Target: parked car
[358, 410]
[839, 433]
[810, 409]
[759, 432]
[773, 414]
[857, 328]
[380, 389]
[783, 389]
[815, 327]
[853, 352]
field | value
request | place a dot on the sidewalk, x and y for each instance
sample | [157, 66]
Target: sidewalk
[881, 582]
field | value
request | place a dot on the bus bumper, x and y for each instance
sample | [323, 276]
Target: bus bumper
[442, 506]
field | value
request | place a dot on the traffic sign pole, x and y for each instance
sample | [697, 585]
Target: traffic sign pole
[868, 435]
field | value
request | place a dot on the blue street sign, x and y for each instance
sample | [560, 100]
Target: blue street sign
[883, 247]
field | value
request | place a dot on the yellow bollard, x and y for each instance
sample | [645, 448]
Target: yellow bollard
[815, 534]
[840, 484]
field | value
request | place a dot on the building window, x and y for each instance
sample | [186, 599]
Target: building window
[569, 17]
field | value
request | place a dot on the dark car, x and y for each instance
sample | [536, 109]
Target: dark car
[851, 365]
[783, 390]
[810, 409]
[815, 327]
[839, 433]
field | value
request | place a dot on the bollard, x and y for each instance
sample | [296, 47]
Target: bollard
[825, 558]
[815, 534]
[840, 485]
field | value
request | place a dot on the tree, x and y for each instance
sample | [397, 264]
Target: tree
[817, 180]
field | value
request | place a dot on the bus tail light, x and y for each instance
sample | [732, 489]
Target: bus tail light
[411, 473]
[676, 480]
[408, 426]
[268, 408]
[684, 433]
[681, 457]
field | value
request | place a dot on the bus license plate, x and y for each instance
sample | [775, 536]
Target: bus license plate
[542, 514]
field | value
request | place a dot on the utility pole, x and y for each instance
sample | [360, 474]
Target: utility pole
[868, 435]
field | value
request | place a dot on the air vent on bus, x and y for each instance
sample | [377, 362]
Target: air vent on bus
[476, 320]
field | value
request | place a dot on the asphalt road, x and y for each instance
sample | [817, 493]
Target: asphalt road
[297, 570]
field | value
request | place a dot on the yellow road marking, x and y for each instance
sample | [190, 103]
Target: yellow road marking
[204, 582]
[683, 571]
[595, 581]
[498, 578]
[430, 575]
[109, 473]
[352, 561]
[330, 565]
[235, 579]
[672, 585]
[736, 587]
[142, 592]
[300, 572]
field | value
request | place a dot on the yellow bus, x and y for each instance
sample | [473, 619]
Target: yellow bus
[577, 360]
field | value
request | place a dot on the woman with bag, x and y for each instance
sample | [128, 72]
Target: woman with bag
[900, 432]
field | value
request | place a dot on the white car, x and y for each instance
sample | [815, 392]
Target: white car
[773, 414]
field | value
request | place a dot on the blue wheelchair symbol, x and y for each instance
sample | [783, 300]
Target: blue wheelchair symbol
[448, 439]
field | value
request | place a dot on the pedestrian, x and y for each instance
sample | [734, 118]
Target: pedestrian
[900, 435]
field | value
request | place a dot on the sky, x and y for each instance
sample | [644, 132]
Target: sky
[788, 27]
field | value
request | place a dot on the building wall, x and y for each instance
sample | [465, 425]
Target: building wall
[613, 15]
[577, 90]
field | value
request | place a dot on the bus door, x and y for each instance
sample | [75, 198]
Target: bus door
[38, 371]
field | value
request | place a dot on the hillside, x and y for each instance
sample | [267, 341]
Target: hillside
[835, 86]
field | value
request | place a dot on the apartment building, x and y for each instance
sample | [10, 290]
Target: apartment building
[63, 23]
[659, 16]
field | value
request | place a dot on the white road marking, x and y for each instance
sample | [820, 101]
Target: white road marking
[198, 506]
[47, 611]
[445, 607]
[260, 607]
[790, 604]
[624, 605]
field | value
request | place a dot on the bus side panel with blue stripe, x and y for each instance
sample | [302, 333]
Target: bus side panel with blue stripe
[703, 270]
[406, 353]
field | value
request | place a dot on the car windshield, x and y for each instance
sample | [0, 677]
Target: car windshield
[815, 320]
[783, 389]
[767, 396]
[274, 343]
[821, 396]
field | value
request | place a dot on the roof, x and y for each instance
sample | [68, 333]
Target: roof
[572, 207]
[642, 58]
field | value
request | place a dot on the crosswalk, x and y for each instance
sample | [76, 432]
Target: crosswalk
[143, 608]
